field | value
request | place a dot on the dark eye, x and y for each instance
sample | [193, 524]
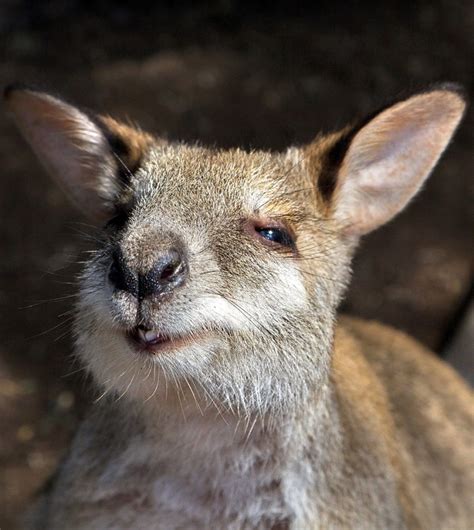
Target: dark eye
[118, 221]
[276, 235]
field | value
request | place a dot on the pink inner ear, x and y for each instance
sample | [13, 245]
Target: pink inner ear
[70, 146]
[390, 158]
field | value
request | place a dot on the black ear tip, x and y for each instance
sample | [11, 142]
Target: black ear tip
[10, 89]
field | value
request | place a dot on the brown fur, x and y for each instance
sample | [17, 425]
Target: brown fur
[128, 143]
[413, 393]
[269, 412]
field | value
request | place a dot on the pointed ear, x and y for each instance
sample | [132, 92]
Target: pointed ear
[369, 173]
[91, 158]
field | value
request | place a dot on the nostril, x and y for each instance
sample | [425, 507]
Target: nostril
[114, 274]
[168, 273]
[171, 270]
[121, 276]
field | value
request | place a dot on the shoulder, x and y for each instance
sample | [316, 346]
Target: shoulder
[398, 358]
[425, 409]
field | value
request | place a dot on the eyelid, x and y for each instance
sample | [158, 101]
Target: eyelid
[269, 223]
[254, 224]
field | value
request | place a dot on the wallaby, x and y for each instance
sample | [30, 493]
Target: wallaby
[231, 395]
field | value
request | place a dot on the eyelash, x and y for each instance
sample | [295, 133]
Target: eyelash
[273, 235]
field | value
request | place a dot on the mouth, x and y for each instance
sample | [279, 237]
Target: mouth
[154, 342]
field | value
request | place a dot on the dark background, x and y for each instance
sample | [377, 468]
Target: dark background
[227, 73]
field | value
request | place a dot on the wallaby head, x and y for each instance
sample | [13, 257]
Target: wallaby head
[220, 272]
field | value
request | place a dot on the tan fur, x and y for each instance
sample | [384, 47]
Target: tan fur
[389, 159]
[425, 415]
[137, 141]
[269, 412]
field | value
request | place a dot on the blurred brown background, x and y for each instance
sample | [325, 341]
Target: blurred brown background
[228, 73]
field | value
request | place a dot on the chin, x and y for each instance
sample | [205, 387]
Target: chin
[127, 365]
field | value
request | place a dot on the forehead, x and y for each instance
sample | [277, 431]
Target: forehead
[195, 178]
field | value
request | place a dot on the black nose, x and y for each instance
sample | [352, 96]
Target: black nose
[169, 272]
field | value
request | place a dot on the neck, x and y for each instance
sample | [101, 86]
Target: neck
[189, 422]
[219, 464]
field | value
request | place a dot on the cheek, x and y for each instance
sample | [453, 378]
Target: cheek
[291, 287]
[283, 289]
[280, 293]
[244, 307]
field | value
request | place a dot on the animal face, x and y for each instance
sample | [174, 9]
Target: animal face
[220, 272]
[222, 268]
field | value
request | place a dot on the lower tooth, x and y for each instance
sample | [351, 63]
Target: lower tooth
[142, 335]
[151, 336]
